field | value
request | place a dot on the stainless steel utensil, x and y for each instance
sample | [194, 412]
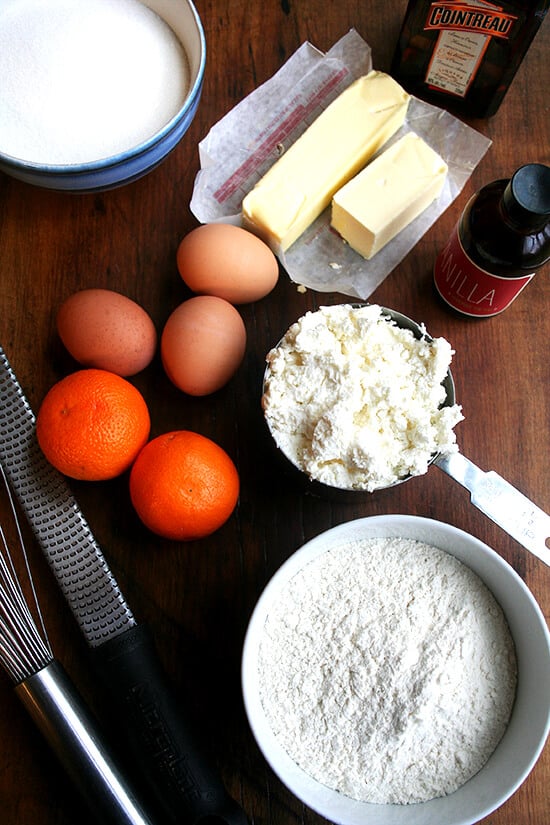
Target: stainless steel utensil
[502, 503]
[145, 709]
[51, 699]
[490, 493]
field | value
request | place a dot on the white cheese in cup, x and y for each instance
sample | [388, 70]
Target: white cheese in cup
[354, 401]
[82, 80]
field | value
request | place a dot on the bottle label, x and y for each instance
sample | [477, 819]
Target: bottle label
[465, 31]
[470, 289]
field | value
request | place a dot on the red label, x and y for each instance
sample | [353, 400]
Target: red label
[470, 289]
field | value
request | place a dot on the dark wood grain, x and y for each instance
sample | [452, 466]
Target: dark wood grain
[198, 597]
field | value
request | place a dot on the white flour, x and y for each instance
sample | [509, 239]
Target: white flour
[82, 80]
[388, 671]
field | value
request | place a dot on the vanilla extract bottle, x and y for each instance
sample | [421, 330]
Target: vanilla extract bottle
[501, 239]
[463, 54]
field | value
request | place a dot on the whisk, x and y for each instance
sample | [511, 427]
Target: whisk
[50, 697]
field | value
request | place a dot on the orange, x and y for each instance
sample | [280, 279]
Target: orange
[92, 424]
[183, 485]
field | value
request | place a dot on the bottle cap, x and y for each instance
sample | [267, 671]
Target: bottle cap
[527, 196]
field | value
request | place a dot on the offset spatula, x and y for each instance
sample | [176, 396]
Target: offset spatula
[501, 502]
[489, 492]
[150, 719]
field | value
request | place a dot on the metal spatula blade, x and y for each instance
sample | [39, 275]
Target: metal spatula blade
[490, 493]
[503, 503]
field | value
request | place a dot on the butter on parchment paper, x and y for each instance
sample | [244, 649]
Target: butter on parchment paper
[300, 185]
[388, 194]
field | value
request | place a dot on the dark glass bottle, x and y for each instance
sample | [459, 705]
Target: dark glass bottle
[500, 241]
[464, 55]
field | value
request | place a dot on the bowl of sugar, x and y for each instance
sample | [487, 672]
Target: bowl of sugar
[95, 94]
[395, 672]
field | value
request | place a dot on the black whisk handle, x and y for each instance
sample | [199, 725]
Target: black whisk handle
[60, 713]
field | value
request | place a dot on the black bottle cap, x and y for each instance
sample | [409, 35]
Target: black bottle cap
[527, 196]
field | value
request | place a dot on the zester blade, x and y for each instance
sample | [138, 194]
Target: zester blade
[57, 522]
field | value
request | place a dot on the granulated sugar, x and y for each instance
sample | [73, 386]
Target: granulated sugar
[82, 80]
[387, 671]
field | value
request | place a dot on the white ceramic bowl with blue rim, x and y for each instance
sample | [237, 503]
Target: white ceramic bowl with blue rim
[122, 168]
[529, 725]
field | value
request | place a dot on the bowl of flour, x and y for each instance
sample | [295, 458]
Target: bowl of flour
[395, 672]
[358, 397]
[96, 93]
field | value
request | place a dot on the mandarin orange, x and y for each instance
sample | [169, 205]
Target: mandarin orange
[183, 485]
[92, 424]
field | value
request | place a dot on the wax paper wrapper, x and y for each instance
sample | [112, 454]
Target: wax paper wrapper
[240, 148]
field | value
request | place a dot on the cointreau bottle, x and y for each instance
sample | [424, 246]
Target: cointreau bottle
[464, 55]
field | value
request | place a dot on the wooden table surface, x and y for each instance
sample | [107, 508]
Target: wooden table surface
[198, 597]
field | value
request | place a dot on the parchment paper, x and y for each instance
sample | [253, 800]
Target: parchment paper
[240, 148]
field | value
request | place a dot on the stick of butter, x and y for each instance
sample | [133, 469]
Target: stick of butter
[300, 185]
[388, 194]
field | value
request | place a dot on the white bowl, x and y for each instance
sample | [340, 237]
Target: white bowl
[126, 166]
[529, 724]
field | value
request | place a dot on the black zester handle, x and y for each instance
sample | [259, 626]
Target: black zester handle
[147, 714]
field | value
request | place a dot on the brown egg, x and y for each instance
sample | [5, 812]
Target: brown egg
[202, 344]
[104, 329]
[227, 261]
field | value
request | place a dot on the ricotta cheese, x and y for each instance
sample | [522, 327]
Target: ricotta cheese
[387, 671]
[354, 401]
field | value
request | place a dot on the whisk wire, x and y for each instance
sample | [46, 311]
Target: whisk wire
[23, 649]
[23, 552]
[51, 699]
